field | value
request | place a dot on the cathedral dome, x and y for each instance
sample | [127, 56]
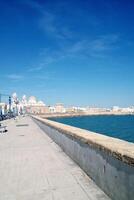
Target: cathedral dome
[32, 100]
[41, 103]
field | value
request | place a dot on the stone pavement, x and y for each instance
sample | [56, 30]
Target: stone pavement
[33, 167]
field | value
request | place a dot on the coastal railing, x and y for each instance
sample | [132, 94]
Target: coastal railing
[108, 161]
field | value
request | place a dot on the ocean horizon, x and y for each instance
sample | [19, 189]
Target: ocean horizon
[117, 126]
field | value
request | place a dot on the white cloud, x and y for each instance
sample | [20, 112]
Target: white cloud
[105, 42]
[52, 26]
[49, 21]
[33, 4]
[35, 69]
[14, 77]
[99, 47]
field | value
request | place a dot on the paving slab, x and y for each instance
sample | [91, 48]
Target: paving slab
[33, 167]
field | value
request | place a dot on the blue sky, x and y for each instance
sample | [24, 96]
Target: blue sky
[75, 52]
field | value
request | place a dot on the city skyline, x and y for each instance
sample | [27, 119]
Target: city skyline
[78, 53]
[34, 101]
[32, 105]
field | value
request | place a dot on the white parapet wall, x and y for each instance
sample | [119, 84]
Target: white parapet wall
[108, 161]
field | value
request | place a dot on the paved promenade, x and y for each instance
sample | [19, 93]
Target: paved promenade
[33, 167]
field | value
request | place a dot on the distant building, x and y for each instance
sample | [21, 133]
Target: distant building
[75, 109]
[59, 108]
[3, 108]
[126, 110]
[96, 110]
[115, 109]
[52, 109]
[34, 106]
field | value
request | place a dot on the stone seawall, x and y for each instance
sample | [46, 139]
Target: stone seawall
[78, 114]
[108, 161]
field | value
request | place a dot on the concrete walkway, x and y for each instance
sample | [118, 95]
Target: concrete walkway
[33, 167]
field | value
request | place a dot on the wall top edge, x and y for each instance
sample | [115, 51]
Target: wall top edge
[120, 149]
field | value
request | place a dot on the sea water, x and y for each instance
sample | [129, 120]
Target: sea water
[118, 126]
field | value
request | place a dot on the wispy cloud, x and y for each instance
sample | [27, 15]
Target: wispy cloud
[50, 21]
[97, 47]
[14, 77]
[52, 26]
[33, 4]
[42, 77]
[35, 69]
[100, 47]
[105, 42]
[68, 44]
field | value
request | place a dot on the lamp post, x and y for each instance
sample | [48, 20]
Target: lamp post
[5, 95]
[16, 106]
[15, 102]
[10, 104]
